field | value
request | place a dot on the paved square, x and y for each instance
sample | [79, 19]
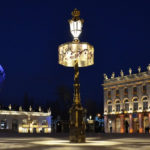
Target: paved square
[60, 142]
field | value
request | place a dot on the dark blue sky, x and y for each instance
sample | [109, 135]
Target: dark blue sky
[31, 31]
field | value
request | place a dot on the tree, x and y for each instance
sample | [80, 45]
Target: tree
[60, 107]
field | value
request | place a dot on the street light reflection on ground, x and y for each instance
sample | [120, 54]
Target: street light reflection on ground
[67, 143]
[98, 142]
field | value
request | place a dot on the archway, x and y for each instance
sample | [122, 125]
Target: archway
[146, 124]
[15, 125]
[4, 124]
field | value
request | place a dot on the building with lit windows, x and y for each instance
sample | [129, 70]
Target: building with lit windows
[25, 122]
[127, 102]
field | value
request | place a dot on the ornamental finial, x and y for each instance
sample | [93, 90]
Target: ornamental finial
[148, 67]
[40, 109]
[30, 108]
[20, 108]
[75, 13]
[139, 69]
[121, 73]
[105, 76]
[9, 106]
[49, 110]
[130, 71]
[113, 75]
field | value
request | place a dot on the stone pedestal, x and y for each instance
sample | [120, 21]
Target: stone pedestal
[77, 124]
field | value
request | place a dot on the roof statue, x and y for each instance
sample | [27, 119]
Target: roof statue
[113, 75]
[121, 73]
[105, 76]
[139, 69]
[130, 71]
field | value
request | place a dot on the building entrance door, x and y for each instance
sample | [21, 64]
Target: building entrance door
[135, 125]
[118, 125]
[146, 124]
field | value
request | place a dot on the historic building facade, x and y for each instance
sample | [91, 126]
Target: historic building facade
[127, 102]
[25, 121]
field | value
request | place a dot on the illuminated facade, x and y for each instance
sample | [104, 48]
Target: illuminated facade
[127, 102]
[25, 122]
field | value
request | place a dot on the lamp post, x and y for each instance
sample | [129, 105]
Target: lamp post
[76, 54]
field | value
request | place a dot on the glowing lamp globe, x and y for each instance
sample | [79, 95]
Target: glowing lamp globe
[76, 24]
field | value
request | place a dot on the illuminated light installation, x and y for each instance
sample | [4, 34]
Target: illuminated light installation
[2, 76]
[76, 54]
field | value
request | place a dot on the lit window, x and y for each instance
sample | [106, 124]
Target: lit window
[135, 105]
[117, 106]
[126, 105]
[24, 121]
[44, 122]
[109, 108]
[3, 124]
[145, 103]
[35, 122]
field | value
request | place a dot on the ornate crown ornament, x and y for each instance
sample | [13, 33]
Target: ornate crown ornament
[75, 13]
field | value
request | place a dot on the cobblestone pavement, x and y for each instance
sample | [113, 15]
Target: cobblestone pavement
[61, 142]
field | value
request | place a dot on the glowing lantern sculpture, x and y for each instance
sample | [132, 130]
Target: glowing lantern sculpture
[76, 54]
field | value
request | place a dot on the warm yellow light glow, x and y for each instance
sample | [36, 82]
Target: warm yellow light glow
[67, 143]
[8, 112]
[72, 51]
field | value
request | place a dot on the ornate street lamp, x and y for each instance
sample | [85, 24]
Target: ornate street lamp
[76, 54]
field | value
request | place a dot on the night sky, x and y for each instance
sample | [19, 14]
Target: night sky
[31, 31]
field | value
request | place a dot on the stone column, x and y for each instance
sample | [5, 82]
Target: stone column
[130, 123]
[149, 121]
[122, 123]
[140, 123]
[106, 124]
